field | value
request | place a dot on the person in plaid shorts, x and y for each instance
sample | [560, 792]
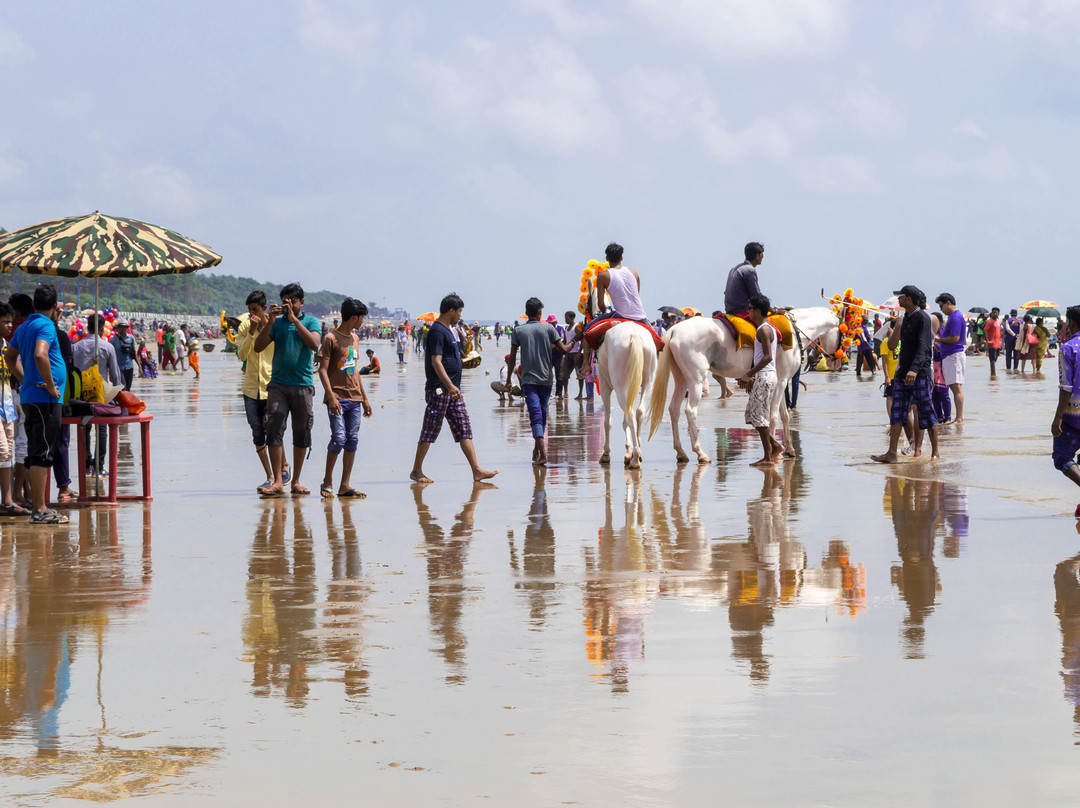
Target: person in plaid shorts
[913, 380]
[442, 367]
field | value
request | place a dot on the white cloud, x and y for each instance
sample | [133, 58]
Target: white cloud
[352, 40]
[566, 17]
[1048, 17]
[969, 128]
[165, 188]
[542, 96]
[866, 109]
[13, 49]
[994, 165]
[838, 173]
[670, 105]
[751, 27]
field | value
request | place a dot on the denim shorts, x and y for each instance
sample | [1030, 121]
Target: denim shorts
[1066, 445]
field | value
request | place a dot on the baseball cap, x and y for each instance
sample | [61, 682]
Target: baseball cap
[909, 290]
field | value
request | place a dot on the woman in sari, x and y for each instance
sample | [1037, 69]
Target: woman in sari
[1025, 351]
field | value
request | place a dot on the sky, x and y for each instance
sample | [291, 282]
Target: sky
[399, 151]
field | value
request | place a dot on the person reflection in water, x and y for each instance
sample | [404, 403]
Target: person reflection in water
[915, 511]
[346, 594]
[1067, 608]
[446, 557]
[277, 631]
[537, 567]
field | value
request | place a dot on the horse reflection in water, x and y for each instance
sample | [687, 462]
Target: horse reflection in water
[285, 637]
[666, 552]
[922, 510]
[446, 557]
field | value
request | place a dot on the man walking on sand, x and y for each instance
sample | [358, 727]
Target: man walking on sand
[291, 390]
[1066, 424]
[442, 393]
[951, 344]
[913, 379]
[536, 339]
[992, 329]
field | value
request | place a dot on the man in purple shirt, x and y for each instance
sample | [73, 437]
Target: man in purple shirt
[1066, 424]
[950, 342]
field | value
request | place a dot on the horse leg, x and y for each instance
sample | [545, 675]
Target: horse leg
[674, 407]
[692, 401]
[605, 396]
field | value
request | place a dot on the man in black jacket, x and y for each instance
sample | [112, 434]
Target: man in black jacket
[913, 380]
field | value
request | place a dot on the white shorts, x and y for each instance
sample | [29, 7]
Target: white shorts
[952, 368]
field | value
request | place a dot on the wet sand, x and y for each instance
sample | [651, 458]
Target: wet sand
[834, 632]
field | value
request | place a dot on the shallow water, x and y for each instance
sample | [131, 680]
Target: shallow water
[831, 633]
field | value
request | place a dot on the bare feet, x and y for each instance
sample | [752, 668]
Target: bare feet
[888, 457]
[540, 458]
[418, 476]
[764, 463]
[479, 475]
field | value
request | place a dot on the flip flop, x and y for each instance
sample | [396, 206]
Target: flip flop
[326, 492]
[270, 493]
[352, 493]
[299, 491]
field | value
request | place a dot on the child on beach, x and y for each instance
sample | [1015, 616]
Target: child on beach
[147, 363]
[537, 340]
[344, 395]
[193, 353]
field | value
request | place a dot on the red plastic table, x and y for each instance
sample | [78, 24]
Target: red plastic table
[143, 420]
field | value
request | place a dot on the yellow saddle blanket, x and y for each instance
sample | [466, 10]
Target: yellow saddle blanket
[745, 333]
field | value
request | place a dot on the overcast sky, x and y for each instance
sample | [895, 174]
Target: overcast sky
[398, 151]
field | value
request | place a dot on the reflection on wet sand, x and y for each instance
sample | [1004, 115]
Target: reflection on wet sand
[1067, 608]
[536, 570]
[281, 591]
[666, 552]
[446, 556]
[59, 588]
[921, 511]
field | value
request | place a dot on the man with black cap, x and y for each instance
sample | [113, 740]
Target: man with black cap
[913, 379]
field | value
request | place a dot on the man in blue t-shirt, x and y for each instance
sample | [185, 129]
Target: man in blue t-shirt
[34, 354]
[292, 383]
[442, 392]
[950, 342]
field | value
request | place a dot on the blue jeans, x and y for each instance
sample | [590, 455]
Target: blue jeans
[791, 392]
[1066, 445]
[536, 400]
[345, 427]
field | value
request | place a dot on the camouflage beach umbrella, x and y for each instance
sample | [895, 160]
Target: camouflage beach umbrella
[98, 246]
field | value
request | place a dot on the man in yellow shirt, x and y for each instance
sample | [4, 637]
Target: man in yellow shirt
[257, 369]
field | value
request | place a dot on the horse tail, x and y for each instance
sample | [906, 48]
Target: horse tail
[636, 370]
[659, 391]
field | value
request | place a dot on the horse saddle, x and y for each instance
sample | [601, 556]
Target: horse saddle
[744, 332]
[594, 334]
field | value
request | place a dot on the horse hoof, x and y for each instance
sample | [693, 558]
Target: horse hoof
[682, 459]
[604, 460]
[703, 459]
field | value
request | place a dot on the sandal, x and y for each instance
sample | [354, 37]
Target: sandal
[326, 491]
[286, 476]
[14, 510]
[69, 496]
[352, 493]
[267, 484]
[48, 518]
[299, 491]
[270, 491]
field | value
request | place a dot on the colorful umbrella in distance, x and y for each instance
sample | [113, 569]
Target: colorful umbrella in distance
[691, 312]
[428, 317]
[1040, 304]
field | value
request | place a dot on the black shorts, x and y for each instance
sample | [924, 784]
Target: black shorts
[283, 400]
[42, 433]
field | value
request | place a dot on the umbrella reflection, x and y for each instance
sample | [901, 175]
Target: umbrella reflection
[446, 556]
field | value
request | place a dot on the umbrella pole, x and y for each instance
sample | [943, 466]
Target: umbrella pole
[92, 436]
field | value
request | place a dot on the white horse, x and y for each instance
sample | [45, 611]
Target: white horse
[698, 346]
[626, 363]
